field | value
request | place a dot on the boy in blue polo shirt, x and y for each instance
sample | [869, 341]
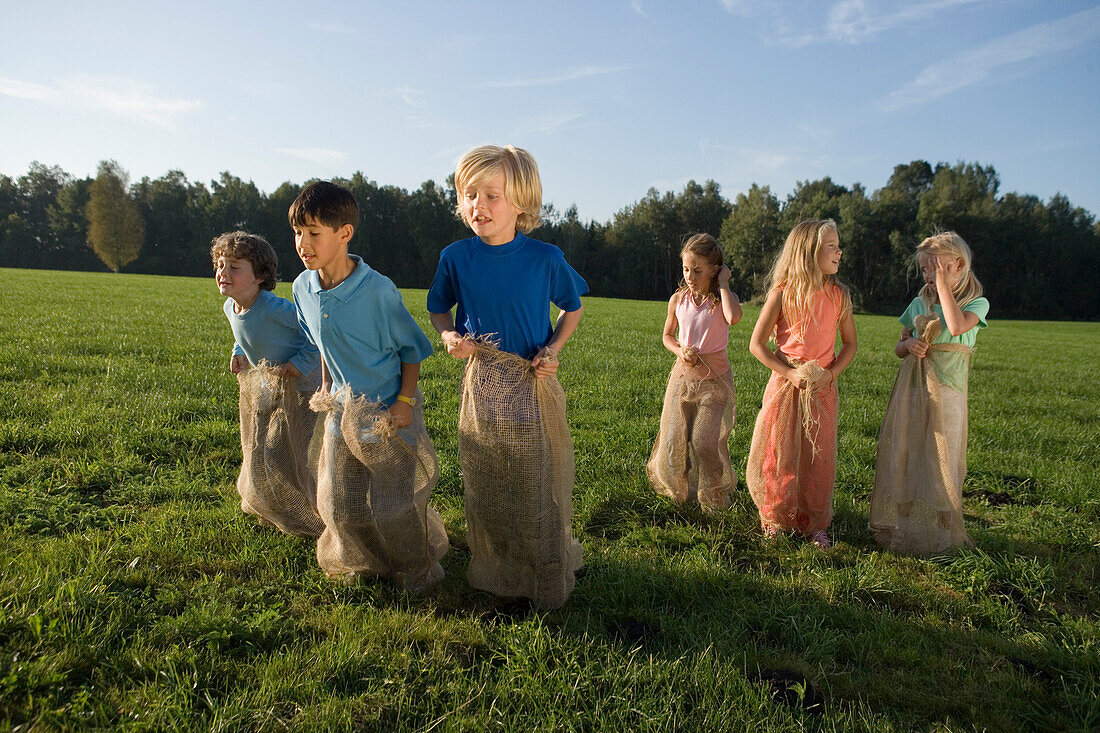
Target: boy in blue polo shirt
[378, 465]
[514, 442]
[277, 368]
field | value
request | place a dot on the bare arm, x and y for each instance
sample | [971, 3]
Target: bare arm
[958, 321]
[848, 347]
[758, 342]
[402, 411]
[672, 325]
[731, 305]
[910, 344]
[456, 346]
[563, 328]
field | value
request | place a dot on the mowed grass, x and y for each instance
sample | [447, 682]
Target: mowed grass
[135, 595]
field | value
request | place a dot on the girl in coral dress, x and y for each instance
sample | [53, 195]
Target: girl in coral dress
[791, 469]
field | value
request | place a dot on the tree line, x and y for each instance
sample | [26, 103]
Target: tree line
[1036, 259]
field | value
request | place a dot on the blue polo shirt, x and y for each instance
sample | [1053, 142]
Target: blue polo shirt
[505, 290]
[363, 330]
[269, 330]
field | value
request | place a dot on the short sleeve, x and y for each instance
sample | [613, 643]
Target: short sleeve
[980, 307]
[441, 295]
[908, 318]
[566, 284]
[412, 345]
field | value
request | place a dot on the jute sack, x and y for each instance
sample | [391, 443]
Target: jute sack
[374, 483]
[916, 507]
[791, 470]
[690, 458]
[517, 467]
[277, 481]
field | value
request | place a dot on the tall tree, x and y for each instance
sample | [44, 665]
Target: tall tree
[751, 237]
[116, 230]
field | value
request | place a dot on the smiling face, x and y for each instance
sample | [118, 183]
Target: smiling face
[698, 272]
[237, 280]
[828, 254]
[488, 211]
[319, 245]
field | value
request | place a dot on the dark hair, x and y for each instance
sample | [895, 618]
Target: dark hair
[707, 247]
[324, 202]
[252, 247]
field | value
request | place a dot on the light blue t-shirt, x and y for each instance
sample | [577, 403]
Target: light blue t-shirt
[269, 330]
[978, 306]
[505, 290]
[363, 330]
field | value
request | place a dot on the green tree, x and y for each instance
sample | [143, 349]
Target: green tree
[751, 237]
[116, 230]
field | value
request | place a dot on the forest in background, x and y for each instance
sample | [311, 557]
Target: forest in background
[1037, 260]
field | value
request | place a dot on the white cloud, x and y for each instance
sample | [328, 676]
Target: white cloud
[320, 156]
[126, 98]
[977, 64]
[636, 6]
[582, 72]
[788, 22]
[411, 97]
[548, 124]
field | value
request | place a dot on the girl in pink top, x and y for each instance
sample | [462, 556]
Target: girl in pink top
[690, 459]
[791, 469]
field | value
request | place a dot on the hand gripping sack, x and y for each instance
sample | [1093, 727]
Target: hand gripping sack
[916, 507]
[690, 458]
[277, 482]
[517, 468]
[791, 470]
[374, 483]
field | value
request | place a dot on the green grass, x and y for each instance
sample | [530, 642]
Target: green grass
[135, 595]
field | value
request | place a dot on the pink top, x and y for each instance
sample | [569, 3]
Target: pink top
[819, 342]
[703, 327]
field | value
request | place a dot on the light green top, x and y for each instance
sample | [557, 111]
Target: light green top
[951, 368]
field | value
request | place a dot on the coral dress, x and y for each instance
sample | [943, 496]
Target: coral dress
[791, 469]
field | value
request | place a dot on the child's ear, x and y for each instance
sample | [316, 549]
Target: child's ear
[345, 233]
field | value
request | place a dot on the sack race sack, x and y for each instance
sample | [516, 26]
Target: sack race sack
[277, 482]
[791, 470]
[517, 467]
[690, 458]
[916, 506]
[374, 483]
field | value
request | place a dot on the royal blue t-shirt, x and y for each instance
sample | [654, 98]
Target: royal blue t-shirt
[505, 290]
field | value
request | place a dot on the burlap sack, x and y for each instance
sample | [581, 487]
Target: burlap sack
[517, 467]
[791, 470]
[916, 507]
[690, 458]
[373, 487]
[277, 480]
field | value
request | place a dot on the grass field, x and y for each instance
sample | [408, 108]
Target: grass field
[135, 595]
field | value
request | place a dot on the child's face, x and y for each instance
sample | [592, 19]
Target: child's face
[698, 273]
[488, 211]
[828, 256]
[237, 280]
[319, 245]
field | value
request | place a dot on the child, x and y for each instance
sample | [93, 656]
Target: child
[916, 506]
[378, 465]
[514, 444]
[691, 459]
[270, 356]
[792, 462]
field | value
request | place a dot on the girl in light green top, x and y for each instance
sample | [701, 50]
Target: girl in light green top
[916, 506]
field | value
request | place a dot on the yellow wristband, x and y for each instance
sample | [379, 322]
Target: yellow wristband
[411, 401]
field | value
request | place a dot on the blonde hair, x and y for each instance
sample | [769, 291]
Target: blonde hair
[797, 272]
[950, 244]
[522, 185]
[707, 247]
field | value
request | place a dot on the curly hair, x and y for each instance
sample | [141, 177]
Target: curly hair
[252, 247]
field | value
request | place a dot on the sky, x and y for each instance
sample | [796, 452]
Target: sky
[612, 97]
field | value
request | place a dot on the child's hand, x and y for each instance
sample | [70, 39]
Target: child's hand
[690, 355]
[947, 271]
[545, 362]
[724, 276]
[402, 414]
[796, 379]
[916, 347]
[238, 363]
[289, 370]
[457, 346]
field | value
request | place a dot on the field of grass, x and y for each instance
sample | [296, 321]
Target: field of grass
[135, 595]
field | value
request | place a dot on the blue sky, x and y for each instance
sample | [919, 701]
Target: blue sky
[612, 97]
